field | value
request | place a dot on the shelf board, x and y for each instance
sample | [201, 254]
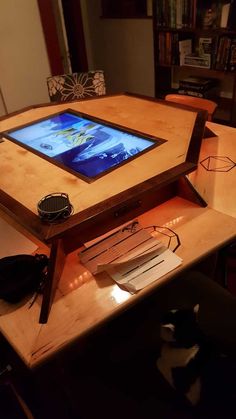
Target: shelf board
[180, 30]
[125, 17]
[197, 30]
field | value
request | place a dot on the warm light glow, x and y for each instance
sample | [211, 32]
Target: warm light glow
[79, 280]
[119, 295]
[173, 222]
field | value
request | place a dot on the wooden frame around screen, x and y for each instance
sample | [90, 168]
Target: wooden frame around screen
[156, 141]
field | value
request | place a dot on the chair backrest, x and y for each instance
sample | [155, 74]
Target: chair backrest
[74, 86]
[195, 102]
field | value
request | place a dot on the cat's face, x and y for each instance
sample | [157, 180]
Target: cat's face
[180, 327]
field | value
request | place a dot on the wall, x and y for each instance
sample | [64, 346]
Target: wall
[2, 104]
[23, 58]
[123, 48]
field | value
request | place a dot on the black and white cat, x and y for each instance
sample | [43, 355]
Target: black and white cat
[193, 366]
[185, 352]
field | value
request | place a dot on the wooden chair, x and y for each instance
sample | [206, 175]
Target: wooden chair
[195, 102]
[74, 86]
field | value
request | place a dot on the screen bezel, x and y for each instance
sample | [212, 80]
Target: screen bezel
[157, 141]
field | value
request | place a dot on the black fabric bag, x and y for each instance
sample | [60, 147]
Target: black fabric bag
[21, 275]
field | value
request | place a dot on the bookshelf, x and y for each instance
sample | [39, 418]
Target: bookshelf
[197, 38]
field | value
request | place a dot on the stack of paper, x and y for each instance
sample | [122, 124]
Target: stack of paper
[131, 256]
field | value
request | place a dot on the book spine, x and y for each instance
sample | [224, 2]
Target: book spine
[232, 56]
[179, 14]
[186, 13]
[224, 15]
[173, 14]
[166, 14]
[209, 94]
[223, 53]
[192, 14]
[168, 48]
[227, 53]
[175, 49]
[190, 93]
[161, 48]
[218, 64]
[215, 45]
[159, 13]
[194, 87]
[231, 23]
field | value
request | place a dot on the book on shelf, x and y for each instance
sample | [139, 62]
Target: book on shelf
[179, 14]
[172, 11]
[197, 83]
[168, 48]
[205, 46]
[185, 48]
[175, 49]
[194, 60]
[223, 53]
[208, 94]
[186, 13]
[232, 56]
[225, 15]
[160, 14]
[231, 24]
[215, 42]
[199, 87]
[149, 7]
[174, 14]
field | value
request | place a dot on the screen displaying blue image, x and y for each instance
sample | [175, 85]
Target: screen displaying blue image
[82, 145]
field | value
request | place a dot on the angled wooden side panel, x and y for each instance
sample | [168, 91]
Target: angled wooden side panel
[188, 192]
[55, 268]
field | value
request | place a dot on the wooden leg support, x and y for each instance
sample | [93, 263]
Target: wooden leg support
[187, 191]
[55, 268]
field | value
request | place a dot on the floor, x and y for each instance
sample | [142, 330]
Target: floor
[106, 378]
[94, 386]
[111, 374]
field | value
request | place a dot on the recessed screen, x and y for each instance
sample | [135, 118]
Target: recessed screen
[87, 147]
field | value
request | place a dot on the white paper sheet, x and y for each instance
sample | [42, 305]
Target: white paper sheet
[137, 274]
[131, 256]
[123, 244]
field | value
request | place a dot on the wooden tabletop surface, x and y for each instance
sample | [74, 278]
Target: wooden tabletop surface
[149, 117]
[83, 302]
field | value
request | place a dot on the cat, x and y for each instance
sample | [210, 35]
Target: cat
[195, 368]
[185, 352]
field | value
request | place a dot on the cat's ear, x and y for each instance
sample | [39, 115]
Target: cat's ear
[196, 309]
[167, 332]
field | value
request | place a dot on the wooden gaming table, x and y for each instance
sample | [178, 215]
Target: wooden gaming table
[111, 200]
[82, 301]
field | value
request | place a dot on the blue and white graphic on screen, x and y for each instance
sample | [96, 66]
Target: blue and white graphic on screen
[83, 145]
